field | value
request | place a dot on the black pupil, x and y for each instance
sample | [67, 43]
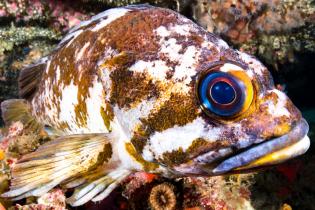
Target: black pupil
[222, 93]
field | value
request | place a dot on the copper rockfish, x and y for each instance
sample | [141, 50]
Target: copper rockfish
[141, 88]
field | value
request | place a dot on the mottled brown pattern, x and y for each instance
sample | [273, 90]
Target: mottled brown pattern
[107, 115]
[147, 166]
[198, 147]
[261, 124]
[135, 32]
[72, 71]
[132, 33]
[140, 138]
[130, 88]
[178, 110]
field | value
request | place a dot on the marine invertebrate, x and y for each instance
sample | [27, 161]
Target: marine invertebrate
[12, 37]
[162, 196]
[231, 192]
[56, 14]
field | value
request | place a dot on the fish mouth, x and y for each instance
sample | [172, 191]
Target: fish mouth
[271, 152]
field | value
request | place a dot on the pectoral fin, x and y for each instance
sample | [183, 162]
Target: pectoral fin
[97, 189]
[56, 161]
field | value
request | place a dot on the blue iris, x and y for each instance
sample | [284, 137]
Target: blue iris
[222, 92]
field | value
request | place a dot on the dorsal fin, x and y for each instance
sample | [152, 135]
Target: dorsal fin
[30, 78]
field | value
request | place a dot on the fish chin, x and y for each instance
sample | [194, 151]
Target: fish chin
[271, 152]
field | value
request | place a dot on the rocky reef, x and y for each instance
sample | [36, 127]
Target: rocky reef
[280, 32]
[274, 30]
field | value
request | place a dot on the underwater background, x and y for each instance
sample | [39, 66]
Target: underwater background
[281, 33]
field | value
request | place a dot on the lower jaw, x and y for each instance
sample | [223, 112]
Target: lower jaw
[279, 156]
[271, 152]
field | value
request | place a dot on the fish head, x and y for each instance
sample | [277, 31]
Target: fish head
[231, 119]
[191, 104]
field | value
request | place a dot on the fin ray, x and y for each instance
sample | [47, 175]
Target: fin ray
[30, 78]
[97, 189]
[39, 179]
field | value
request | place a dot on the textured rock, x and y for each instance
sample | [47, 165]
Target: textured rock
[274, 30]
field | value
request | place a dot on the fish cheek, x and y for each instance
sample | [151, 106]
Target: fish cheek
[178, 110]
[274, 117]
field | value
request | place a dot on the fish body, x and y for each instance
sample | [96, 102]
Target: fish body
[141, 88]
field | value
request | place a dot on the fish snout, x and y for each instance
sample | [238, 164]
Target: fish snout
[280, 132]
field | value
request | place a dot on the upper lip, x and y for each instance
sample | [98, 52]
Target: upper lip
[296, 134]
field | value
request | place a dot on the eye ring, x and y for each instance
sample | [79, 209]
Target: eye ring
[233, 93]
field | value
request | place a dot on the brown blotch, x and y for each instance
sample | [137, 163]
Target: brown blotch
[179, 156]
[147, 166]
[80, 113]
[198, 146]
[175, 157]
[130, 88]
[178, 110]
[107, 115]
[106, 154]
[124, 59]
[140, 138]
[103, 157]
[135, 32]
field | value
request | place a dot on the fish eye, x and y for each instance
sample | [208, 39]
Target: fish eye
[222, 92]
[225, 94]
